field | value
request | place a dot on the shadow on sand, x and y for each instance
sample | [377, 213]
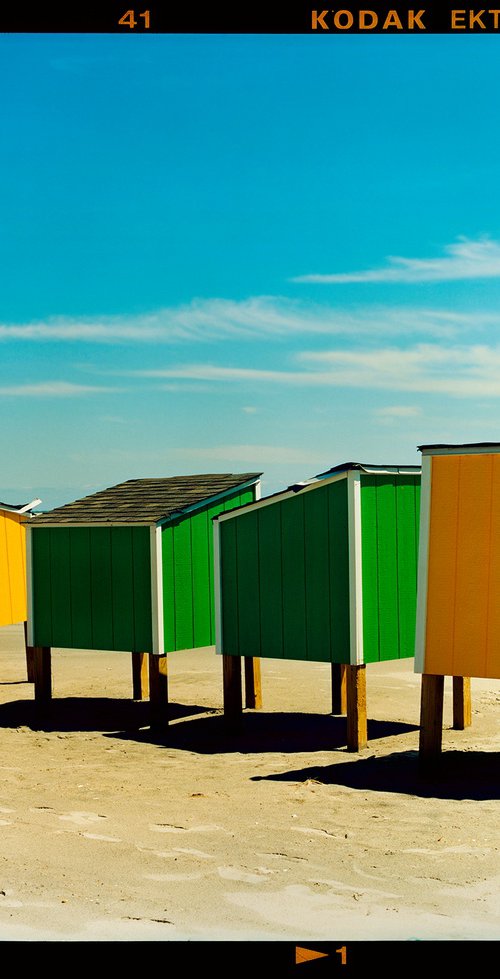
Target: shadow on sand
[262, 732]
[456, 775]
[87, 714]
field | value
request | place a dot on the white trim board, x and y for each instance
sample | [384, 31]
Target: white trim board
[29, 586]
[355, 567]
[208, 501]
[157, 591]
[423, 564]
[217, 589]
[461, 450]
[278, 497]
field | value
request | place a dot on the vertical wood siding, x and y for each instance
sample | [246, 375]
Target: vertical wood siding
[389, 540]
[12, 568]
[285, 578]
[188, 586]
[92, 588]
[463, 610]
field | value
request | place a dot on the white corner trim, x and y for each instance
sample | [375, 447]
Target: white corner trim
[258, 489]
[29, 585]
[355, 568]
[217, 588]
[157, 590]
[423, 563]
[278, 497]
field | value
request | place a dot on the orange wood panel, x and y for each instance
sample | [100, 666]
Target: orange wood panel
[474, 545]
[463, 611]
[445, 480]
[492, 652]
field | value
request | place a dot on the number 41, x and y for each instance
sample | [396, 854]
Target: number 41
[128, 19]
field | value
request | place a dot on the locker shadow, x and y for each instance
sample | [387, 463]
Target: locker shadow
[104, 714]
[261, 732]
[455, 775]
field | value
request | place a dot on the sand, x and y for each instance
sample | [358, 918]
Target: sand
[110, 834]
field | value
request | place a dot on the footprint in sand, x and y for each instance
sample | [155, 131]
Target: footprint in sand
[172, 877]
[97, 836]
[82, 818]
[237, 873]
[173, 828]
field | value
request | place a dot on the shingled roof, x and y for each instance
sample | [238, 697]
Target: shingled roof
[140, 501]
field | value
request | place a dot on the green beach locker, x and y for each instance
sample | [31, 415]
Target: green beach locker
[324, 571]
[129, 568]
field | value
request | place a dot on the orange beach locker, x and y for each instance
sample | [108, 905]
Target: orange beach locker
[458, 606]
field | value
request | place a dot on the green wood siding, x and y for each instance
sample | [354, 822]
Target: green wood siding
[389, 539]
[285, 578]
[92, 588]
[187, 567]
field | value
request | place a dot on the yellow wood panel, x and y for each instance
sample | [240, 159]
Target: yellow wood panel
[12, 568]
[445, 478]
[463, 614]
[5, 602]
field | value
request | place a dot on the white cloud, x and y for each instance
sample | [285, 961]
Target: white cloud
[254, 455]
[250, 410]
[461, 371]
[52, 389]
[465, 259]
[254, 318]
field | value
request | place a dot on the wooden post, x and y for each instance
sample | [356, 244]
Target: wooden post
[339, 694]
[140, 682]
[231, 672]
[42, 674]
[357, 728]
[30, 668]
[431, 719]
[158, 692]
[253, 684]
[462, 706]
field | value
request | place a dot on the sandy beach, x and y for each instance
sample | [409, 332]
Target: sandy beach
[111, 834]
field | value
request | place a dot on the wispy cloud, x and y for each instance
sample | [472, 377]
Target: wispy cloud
[461, 371]
[250, 454]
[464, 259]
[53, 389]
[394, 412]
[257, 317]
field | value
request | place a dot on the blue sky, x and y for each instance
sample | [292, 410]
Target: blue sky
[233, 253]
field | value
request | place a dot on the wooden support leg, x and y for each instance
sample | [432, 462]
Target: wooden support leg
[158, 692]
[339, 694]
[357, 728]
[231, 671]
[253, 684]
[42, 674]
[140, 681]
[431, 719]
[462, 706]
[30, 668]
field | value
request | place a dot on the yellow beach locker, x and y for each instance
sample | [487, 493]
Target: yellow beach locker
[458, 606]
[13, 563]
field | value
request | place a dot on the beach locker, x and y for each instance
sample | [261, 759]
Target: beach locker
[458, 614]
[325, 571]
[129, 568]
[458, 611]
